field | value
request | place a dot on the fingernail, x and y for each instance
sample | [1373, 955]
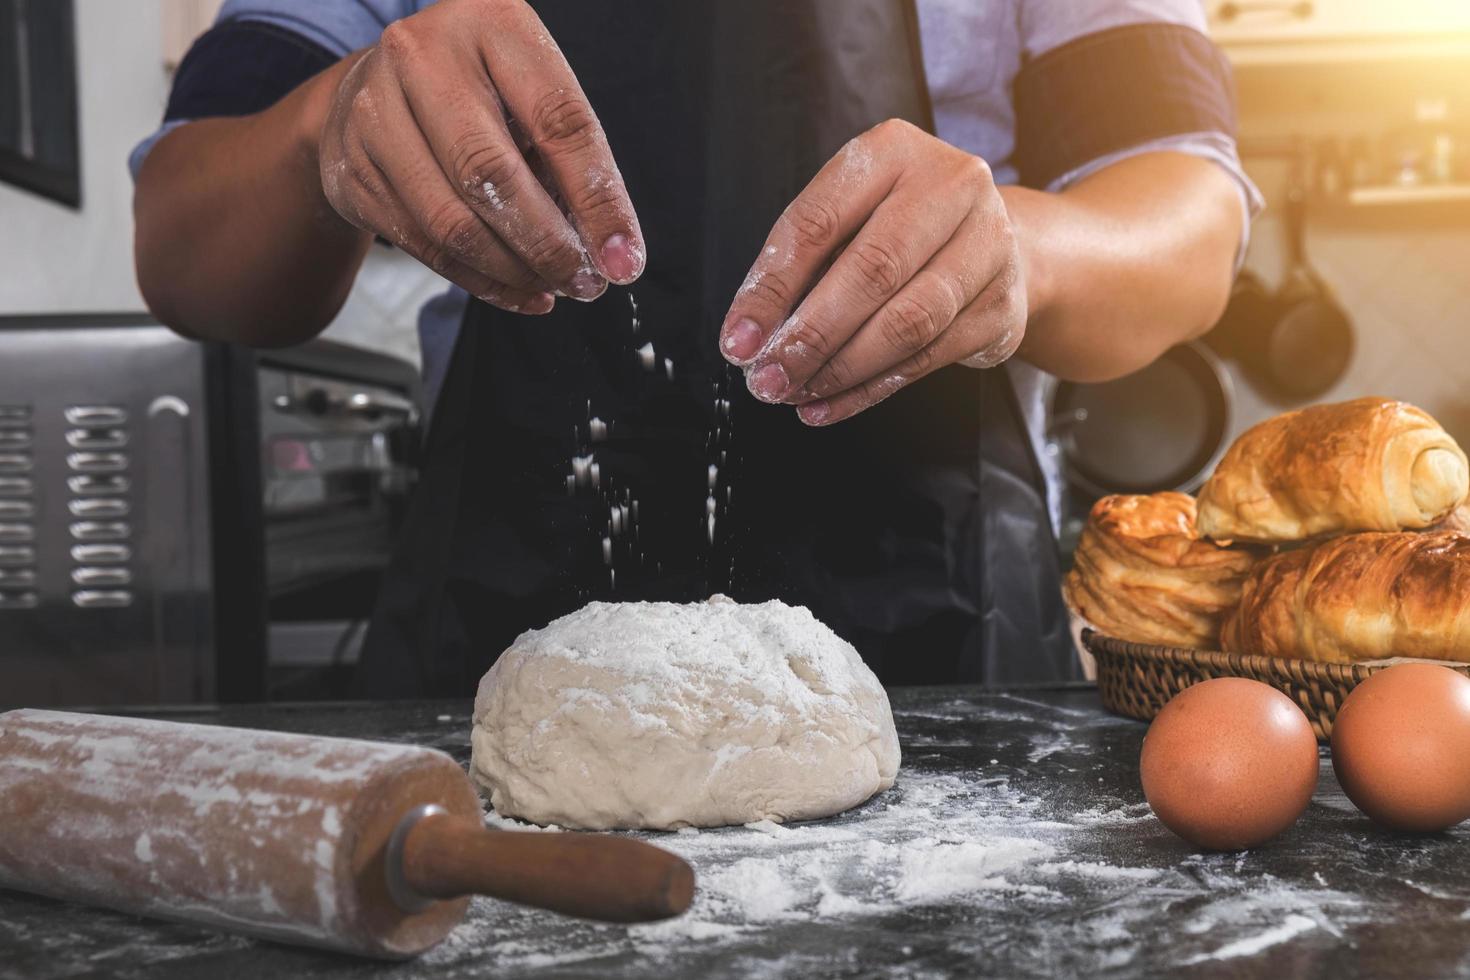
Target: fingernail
[622, 258]
[814, 413]
[769, 383]
[588, 285]
[742, 340]
[542, 303]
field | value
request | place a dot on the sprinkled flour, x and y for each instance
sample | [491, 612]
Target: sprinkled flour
[931, 841]
[978, 862]
[959, 860]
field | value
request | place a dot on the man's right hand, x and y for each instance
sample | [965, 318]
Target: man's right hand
[463, 138]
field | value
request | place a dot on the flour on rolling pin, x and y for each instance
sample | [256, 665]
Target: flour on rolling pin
[272, 834]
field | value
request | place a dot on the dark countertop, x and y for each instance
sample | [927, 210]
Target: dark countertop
[1015, 844]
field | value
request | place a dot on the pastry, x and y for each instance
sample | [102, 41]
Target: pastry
[1458, 520]
[1372, 464]
[1359, 597]
[1142, 573]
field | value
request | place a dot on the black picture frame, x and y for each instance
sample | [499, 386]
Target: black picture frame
[40, 147]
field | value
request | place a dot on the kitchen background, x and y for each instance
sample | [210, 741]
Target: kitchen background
[1357, 109]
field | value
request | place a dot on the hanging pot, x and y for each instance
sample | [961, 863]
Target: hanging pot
[1295, 344]
[1161, 428]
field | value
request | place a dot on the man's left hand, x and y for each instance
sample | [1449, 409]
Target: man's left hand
[896, 260]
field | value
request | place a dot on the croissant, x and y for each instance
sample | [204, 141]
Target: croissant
[1372, 464]
[1359, 597]
[1458, 520]
[1142, 573]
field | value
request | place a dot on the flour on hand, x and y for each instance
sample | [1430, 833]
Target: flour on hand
[659, 715]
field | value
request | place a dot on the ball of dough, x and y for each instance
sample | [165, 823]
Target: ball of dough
[660, 715]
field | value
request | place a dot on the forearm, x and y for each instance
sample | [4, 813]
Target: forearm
[1125, 264]
[235, 239]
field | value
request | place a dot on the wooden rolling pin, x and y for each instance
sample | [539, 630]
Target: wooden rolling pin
[357, 846]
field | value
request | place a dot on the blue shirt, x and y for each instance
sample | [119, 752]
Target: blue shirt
[973, 52]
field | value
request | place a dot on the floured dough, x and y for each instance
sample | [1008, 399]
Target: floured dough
[660, 715]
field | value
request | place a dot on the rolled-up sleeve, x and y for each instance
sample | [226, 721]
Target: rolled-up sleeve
[1104, 80]
[259, 50]
[1213, 146]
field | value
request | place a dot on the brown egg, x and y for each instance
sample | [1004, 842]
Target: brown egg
[1401, 747]
[1229, 763]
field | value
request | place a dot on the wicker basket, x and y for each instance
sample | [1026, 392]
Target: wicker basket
[1137, 679]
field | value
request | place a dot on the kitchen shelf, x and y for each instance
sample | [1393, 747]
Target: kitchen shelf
[1343, 51]
[1390, 194]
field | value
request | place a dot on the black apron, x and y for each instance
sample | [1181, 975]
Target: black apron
[606, 451]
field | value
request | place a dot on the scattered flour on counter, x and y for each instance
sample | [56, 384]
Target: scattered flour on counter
[496, 821]
[1096, 817]
[769, 827]
[675, 930]
[1294, 926]
[1439, 893]
[931, 870]
[1044, 748]
[1267, 906]
[755, 889]
[958, 867]
[953, 850]
[932, 841]
[1092, 870]
[832, 903]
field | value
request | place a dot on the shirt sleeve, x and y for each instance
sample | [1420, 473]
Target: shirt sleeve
[338, 26]
[1105, 80]
[1215, 147]
[259, 50]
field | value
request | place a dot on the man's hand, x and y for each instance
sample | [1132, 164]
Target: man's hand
[896, 260]
[463, 138]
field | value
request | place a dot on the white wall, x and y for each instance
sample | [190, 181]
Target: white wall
[54, 258]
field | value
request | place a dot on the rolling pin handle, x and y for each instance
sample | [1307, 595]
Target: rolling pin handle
[404, 895]
[610, 879]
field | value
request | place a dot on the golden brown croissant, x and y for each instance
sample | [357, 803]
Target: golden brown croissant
[1142, 573]
[1458, 520]
[1359, 597]
[1372, 464]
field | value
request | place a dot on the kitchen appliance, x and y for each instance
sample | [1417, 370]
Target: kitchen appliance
[146, 532]
[339, 436]
[1161, 428]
